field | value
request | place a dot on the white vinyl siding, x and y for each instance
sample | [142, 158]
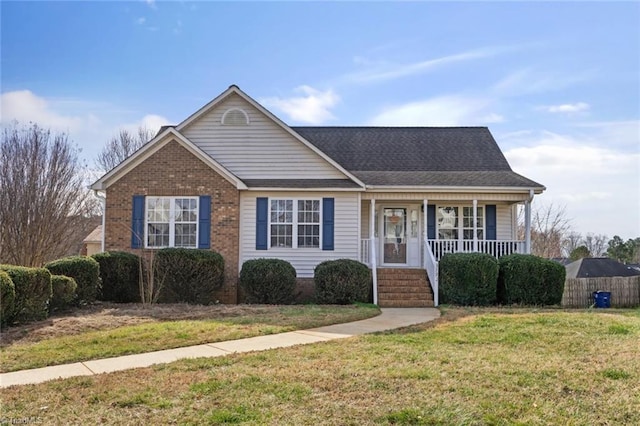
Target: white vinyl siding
[258, 150]
[504, 224]
[346, 233]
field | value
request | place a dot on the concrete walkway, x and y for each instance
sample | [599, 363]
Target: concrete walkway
[389, 319]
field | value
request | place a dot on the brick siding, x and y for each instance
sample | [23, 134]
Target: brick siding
[174, 171]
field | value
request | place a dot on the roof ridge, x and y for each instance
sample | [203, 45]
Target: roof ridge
[389, 127]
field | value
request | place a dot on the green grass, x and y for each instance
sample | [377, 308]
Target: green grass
[493, 367]
[172, 334]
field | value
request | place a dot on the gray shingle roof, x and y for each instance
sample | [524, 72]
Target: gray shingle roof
[599, 267]
[417, 156]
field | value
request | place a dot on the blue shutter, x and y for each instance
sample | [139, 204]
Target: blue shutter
[431, 221]
[491, 222]
[204, 222]
[137, 222]
[262, 222]
[327, 223]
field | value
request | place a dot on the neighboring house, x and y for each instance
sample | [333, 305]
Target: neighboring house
[596, 267]
[92, 243]
[234, 178]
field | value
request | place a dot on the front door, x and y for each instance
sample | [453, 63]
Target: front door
[394, 233]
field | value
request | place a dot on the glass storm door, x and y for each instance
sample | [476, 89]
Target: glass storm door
[394, 236]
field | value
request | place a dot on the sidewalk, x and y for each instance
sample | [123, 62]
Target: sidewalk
[389, 319]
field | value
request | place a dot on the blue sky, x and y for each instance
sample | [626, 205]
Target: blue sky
[558, 84]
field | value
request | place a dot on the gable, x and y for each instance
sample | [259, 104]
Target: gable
[257, 149]
[168, 135]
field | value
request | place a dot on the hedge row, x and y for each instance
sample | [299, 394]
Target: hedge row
[468, 279]
[270, 281]
[342, 282]
[63, 292]
[187, 275]
[530, 280]
[273, 281]
[84, 270]
[479, 279]
[32, 292]
[7, 298]
[120, 276]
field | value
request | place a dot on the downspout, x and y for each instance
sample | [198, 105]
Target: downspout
[103, 203]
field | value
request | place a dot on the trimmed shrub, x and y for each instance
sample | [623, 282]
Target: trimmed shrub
[468, 279]
[271, 281]
[85, 270]
[7, 298]
[64, 292]
[120, 276]
[33, 292]
[342, 282]
[530, 280]
[188, 275]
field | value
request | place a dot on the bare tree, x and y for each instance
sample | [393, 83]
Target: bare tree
[121, 146]
[596, 244]
[571, 242]
[550, 228]
[44, 198]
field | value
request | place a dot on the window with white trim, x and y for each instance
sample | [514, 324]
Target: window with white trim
[452, 227]
[171, 222]
[294, 223]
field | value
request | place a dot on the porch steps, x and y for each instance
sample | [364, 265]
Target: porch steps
[404, 288]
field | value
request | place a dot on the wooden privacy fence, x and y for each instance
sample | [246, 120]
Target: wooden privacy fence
[578, 292]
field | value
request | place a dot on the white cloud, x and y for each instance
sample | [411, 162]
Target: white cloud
[381, 71]
[151, 122]
[450, 110]
[622, 134]
[24, 106]
[151, 4]
[566, 108]
[313, 107]
[598, 184]
[529, 81]
[141, 20]
[89, 124]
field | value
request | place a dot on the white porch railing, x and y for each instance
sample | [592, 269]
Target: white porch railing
[495, 248]
[439, 248]
[431, 265]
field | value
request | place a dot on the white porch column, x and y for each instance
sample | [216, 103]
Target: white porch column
[527, 225]
[475, 225]
[425, 202]
[372, 249]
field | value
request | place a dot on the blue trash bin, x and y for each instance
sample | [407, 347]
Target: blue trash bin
[602, 299]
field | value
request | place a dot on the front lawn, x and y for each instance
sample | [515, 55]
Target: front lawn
[112, 330]
[471, 367]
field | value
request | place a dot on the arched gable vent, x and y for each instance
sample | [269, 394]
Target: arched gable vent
[235, 117]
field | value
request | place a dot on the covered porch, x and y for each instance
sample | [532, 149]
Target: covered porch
[414, 231]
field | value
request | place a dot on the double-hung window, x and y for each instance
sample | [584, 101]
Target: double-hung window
[171, 222]
[294, 223]
[451, 226]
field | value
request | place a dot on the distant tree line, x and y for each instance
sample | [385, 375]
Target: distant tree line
[552, 237]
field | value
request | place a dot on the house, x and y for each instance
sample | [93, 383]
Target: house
[92, 243]
[234, 178]
[596, 267]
